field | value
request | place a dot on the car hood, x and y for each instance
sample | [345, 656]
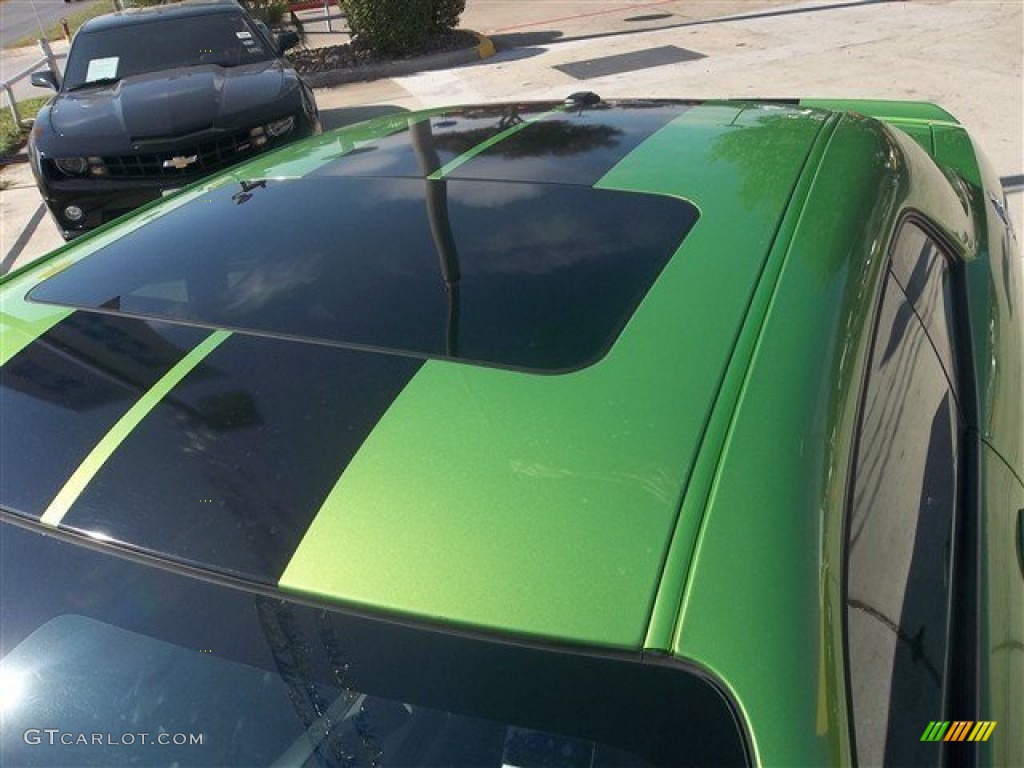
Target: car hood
[169, 104]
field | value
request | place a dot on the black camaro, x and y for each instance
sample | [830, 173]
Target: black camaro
[155, 98]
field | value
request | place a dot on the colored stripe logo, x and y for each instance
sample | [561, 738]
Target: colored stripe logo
[959, 730]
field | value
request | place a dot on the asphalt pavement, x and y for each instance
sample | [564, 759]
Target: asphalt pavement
[30, 18]
[966, 55]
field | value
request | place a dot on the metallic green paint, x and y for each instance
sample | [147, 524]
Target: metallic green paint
[686, 494]
[766, 580]
[105, 448]
[545, 505]
[773, 490]
[668, 603]
[886, 110]
[1001, 627]
[918, 119]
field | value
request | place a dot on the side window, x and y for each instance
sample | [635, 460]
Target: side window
[921, 269]
[899, 546]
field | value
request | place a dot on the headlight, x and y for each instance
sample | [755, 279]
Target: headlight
[72, 166]
[280, 127]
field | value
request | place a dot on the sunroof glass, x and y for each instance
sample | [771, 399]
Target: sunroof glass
[531, 276]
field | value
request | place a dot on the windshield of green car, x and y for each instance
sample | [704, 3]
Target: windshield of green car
[110, 658]
[111, 54]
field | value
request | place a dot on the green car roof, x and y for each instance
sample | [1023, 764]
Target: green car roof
[564, 483]
[585, 373]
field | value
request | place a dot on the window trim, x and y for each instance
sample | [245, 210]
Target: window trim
[964, 563]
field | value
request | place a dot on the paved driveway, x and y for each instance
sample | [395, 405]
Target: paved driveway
[24, 18]
[963, 54]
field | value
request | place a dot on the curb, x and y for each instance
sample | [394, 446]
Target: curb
[484, 49]
[20, 155]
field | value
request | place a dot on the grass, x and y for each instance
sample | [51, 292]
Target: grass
[75, 20]
[12, 136]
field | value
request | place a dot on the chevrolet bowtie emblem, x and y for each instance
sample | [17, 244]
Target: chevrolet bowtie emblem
[180, 162]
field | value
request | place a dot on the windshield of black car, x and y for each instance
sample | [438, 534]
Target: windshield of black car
[107, 660]
[112, 54]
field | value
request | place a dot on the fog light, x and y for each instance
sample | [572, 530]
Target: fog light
[73, 213]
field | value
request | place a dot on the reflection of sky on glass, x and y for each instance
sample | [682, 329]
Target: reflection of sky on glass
[89, 677]
[572, 147]
[395, 155]
[12, 685]
[548, 273]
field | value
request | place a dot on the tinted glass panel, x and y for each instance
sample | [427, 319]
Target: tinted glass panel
[422, 148]
[529, 142]
[900, 539]
[92, 643]
[923, 271]
[222, 39]
[523, 275]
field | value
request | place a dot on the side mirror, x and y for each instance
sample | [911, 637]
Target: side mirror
[286, 40]
[45, 79]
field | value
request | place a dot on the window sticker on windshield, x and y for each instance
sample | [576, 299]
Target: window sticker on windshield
[102, 69]
[525, 748]
[243, 35]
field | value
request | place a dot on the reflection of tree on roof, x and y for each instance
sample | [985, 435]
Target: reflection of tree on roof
[755, 150]
[547, 137]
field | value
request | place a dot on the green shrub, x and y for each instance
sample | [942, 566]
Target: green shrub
[444, 14]
[270, 12]
[267, 11]
[390, 26]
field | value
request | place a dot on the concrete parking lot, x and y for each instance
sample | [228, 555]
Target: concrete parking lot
[966, 55]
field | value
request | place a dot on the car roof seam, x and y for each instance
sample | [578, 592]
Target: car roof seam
[737, 370]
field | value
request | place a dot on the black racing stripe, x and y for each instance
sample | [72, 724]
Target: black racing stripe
[569, 147]
[407, 152]
[229, 470]
[61, 394]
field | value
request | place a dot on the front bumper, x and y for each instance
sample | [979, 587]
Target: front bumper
[103, 200]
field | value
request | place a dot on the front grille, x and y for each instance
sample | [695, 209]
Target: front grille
[218, 152]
